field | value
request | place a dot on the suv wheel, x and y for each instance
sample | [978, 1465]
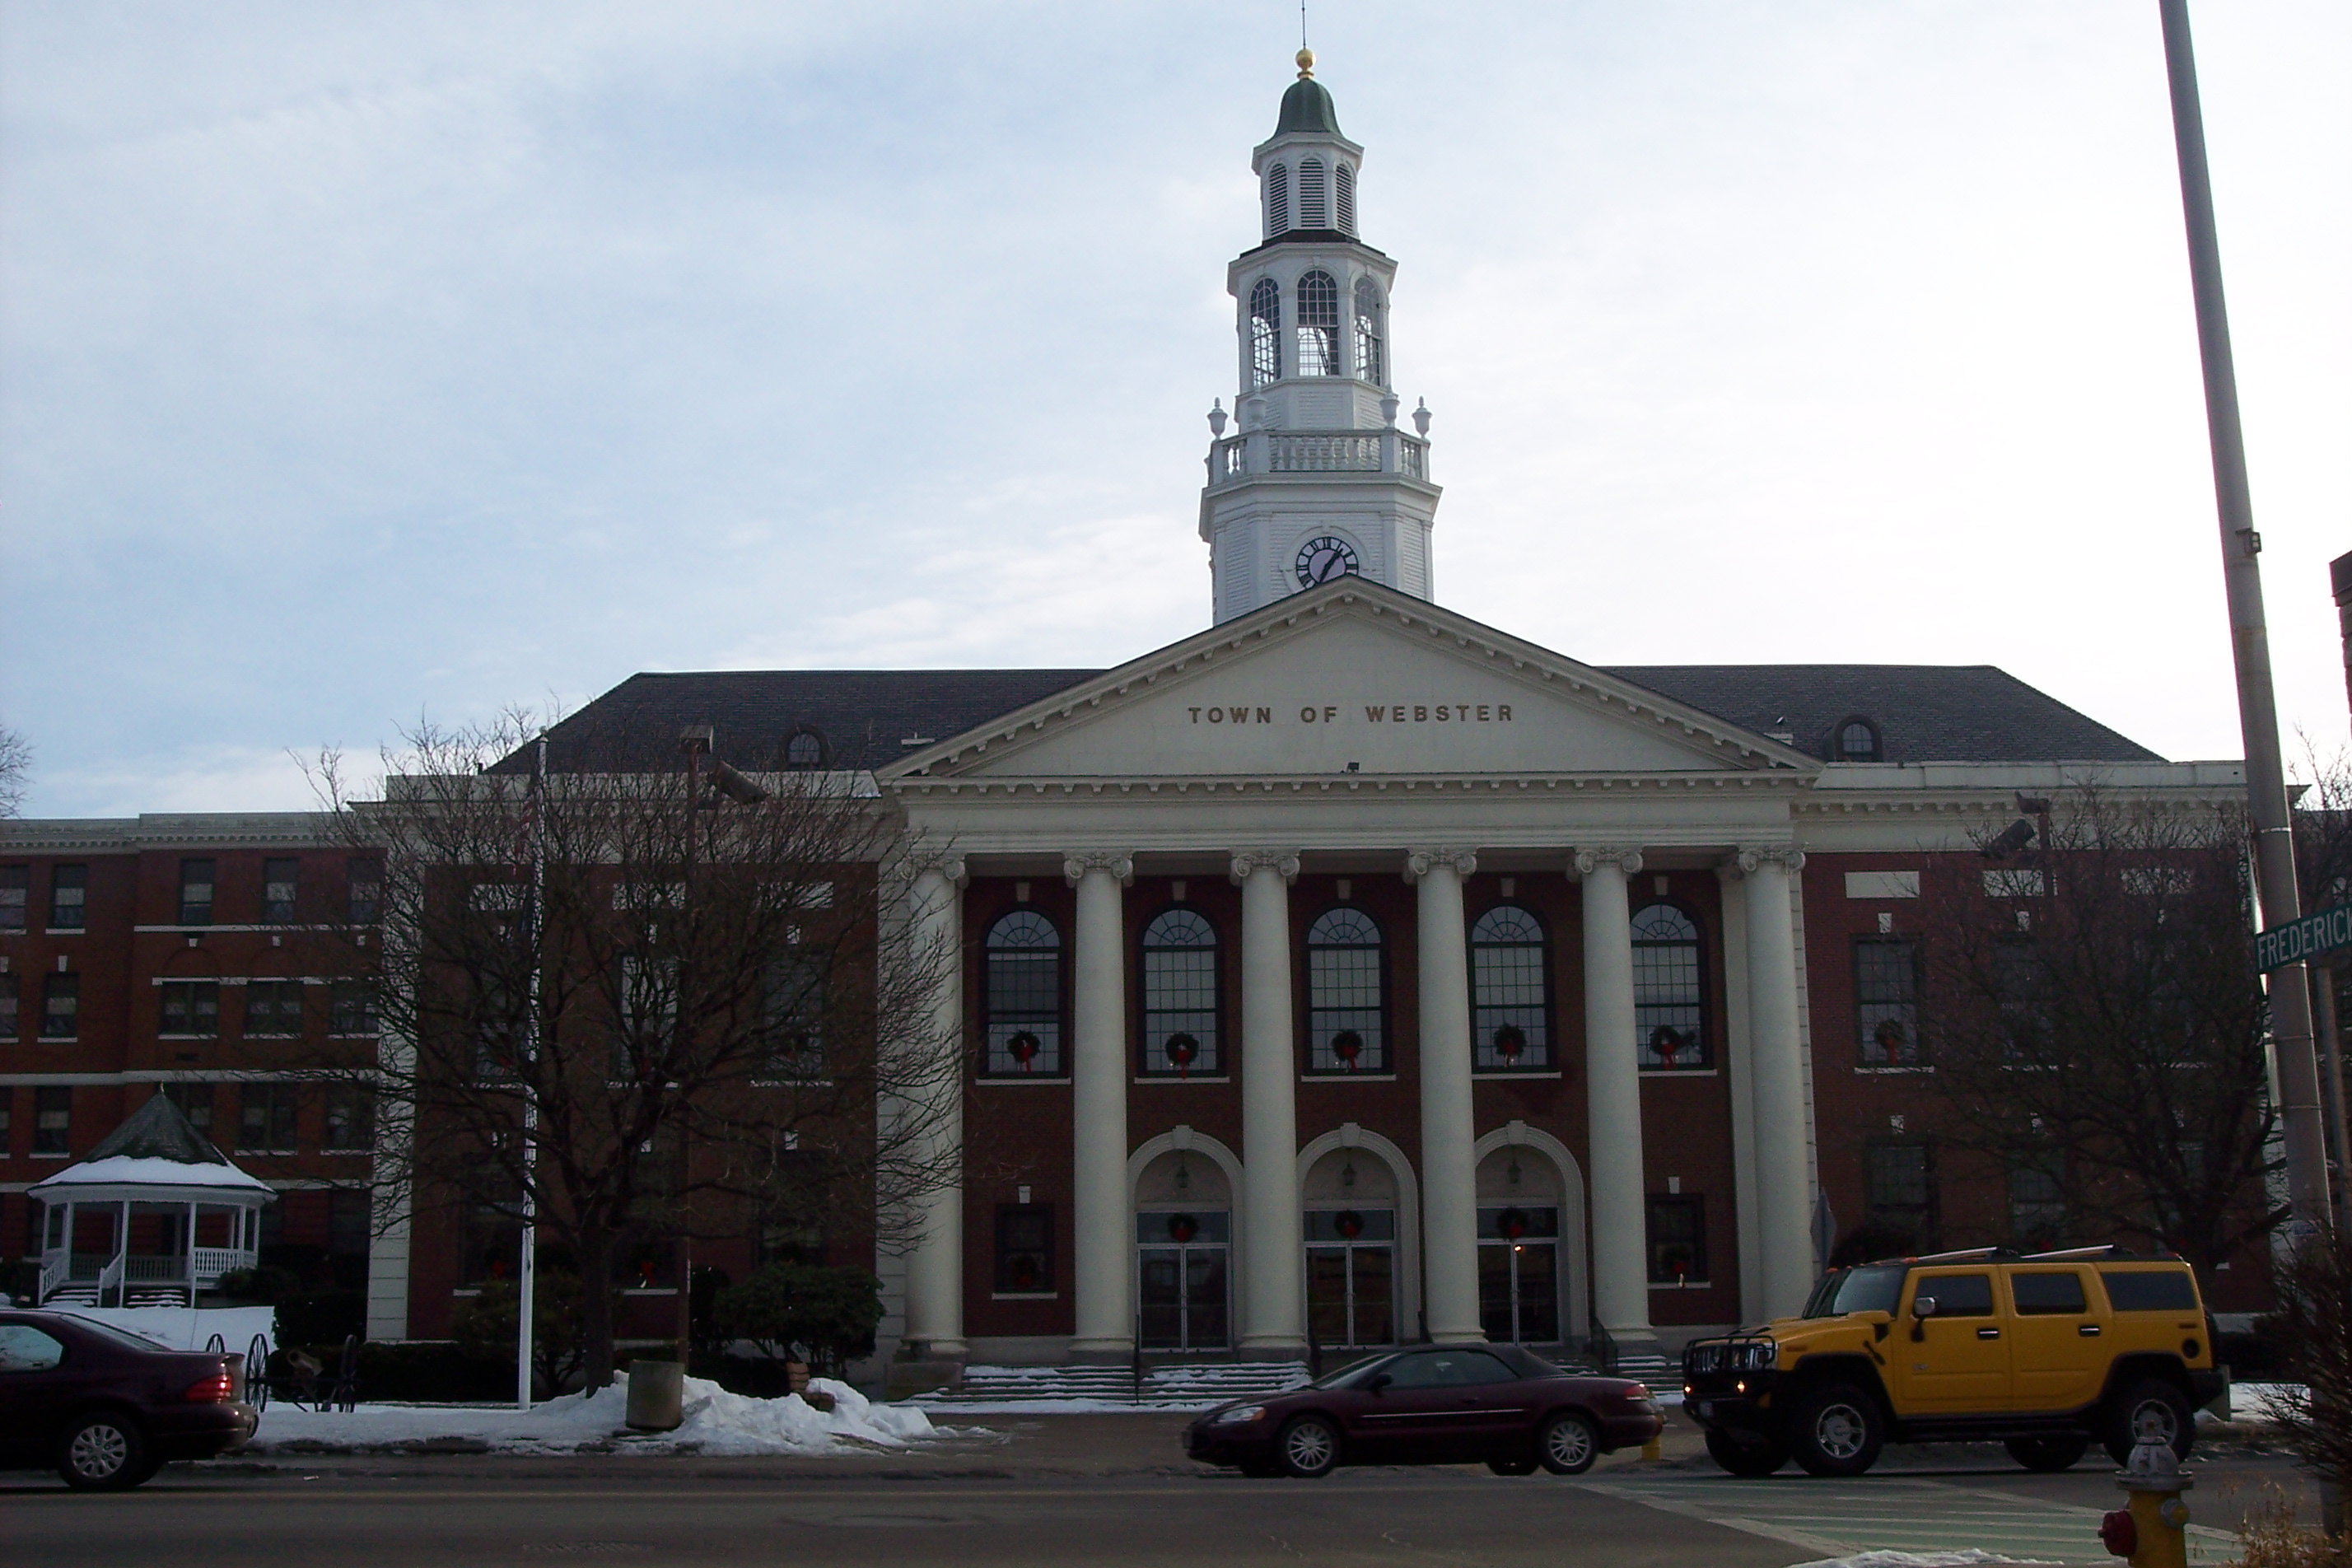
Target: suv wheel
[1761, 1458]
[2147, 1409]
[2048, 1453]
[1836, 1431]
[1309, 1448]
[103, 1452]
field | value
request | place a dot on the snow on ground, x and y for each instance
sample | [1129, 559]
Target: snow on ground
[1914, 1560]
[2260, 1401]
[716, 1422]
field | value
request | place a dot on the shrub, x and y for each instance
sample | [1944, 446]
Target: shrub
[430, 1371]
[262, 1286]
[2314, 1327]
[485, 1327]
[829, 1314]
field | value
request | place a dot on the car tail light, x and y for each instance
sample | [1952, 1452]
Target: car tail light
[218, 1389]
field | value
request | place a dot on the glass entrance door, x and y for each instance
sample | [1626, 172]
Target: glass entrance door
[1351, 1276]
[1518, 1275]
[1181, 1288]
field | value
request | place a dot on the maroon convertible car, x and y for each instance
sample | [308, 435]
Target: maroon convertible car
[1435, 1404]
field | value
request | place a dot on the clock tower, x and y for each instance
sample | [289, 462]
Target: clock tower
[1316, 481]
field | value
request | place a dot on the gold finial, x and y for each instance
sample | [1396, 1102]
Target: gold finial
[1306, 64]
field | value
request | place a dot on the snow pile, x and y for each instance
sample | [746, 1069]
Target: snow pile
[187, 1329]
[2262, 1401]
[1915, 1560]
[716, 1422]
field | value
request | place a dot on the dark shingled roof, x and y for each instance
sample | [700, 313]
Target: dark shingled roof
[1925, 713]
[158, 1131]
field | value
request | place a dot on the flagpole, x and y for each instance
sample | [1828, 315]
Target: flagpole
[527, 1274]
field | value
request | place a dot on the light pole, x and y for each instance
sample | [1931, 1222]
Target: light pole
[527, 1270]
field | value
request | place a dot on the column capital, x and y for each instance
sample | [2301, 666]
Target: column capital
[947, 863]
[1589, 860]
[1284, 863]
[1419, 863]
[1751, 856]
[1079, 862]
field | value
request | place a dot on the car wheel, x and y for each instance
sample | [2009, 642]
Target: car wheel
[102, 1452]
[2048, 1453]
[1307, 1447]
[1514, 1467]
[2149, 1409]
[1761, 1458]
[1836, 1431]
[1567, 1444]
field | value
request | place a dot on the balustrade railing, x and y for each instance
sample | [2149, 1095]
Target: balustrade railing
[110, 1279]
[211, 1262]
[1319, 452]
[54, 1265]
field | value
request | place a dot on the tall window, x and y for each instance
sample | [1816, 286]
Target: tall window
[1898, 1195]
[279, 881]
[1179, 995]
[2037, 1205]
[53, 1121]
[1371, 361]
[794, 1007]
[1343, 178]
[265, 1118]
[191, 1007]
[273, 1008]
[1669, 1015]
[60, 1007]
[1266, 332]
[1509, 1020]
[9, 1021]
[1887, 1001]
[195, 892]
[363, 891]
[1677, 1240]
[351, 1117]
[1313, 211]
[1024, 1249]
[1344, 1032]
[1021, 1023]
[1278, 200]
[69, 897]
[15, 885]
[1319, 326]
[351, 1009]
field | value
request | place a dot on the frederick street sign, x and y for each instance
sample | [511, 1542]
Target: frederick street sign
[2313, 936]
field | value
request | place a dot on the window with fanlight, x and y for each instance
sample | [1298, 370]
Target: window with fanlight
[1346, 1018]
[1372, 357]
[1858, 742]
[1509, 1012]
[1021, 997]
[1669, 993]
[1319, 325]
[1265, 331]
[805, 748]
[1179, 995]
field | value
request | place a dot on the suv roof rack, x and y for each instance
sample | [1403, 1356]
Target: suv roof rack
[1965, 1255]
[2114, 1249]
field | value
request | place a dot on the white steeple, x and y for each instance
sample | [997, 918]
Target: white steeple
[1317, 481]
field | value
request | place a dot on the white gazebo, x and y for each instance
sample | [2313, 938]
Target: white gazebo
[155, 1165]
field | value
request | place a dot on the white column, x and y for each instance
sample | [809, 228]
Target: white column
[1612, 1088]
[1274, 1264]
[1449, 1162]
[1739, 1076]
[1784, 1197]
[935, 1261]
[1104, 1221]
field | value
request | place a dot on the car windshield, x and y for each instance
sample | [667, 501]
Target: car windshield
[1871, 1290]
[1354, 1373]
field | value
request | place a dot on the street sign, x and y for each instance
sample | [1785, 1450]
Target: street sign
[2313, 936]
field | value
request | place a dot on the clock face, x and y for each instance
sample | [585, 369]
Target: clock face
[1325, 560]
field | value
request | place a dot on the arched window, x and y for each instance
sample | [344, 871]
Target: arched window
[1312, 212]
[1319, 326]
[1510, 1022]
[1858, 742]
[1344, 1032]
[1266, 332]
[1021, 1019]
[1343, 180]
[1278, 201]
[805, 748]
[1669, 1020]
[1179, 995]
[1371, 362]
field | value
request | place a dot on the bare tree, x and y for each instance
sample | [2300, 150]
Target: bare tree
[645, 995]
[15, 770]
[2097, 1023]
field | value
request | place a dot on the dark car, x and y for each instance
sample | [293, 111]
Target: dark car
[1435, 1404]
[107, 1408]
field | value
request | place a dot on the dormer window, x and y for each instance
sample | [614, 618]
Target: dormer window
[805, 748]
[1343, 180]
[1858, 742]
[1372, 363]
[1278, 201]
[1266, 332]
[1314, 212]
[1319, 326]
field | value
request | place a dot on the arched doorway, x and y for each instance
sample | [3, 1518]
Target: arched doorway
[1530, 1238]
[1351, 1230]
[1183, 1247]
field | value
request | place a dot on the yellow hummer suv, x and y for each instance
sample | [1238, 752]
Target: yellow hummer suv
[2045, 1352]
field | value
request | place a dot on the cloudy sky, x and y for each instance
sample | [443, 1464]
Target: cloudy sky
[360, 362]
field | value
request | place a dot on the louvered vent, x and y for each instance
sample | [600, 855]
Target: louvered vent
[1344, 177]
[1278, 200]
[1313, 211]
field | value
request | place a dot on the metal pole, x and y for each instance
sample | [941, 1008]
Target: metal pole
[2274, 871]
[527, 1273]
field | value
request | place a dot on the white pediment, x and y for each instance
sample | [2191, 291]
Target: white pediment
[1352, 675]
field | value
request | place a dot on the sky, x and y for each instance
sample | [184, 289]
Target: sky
[368, 365]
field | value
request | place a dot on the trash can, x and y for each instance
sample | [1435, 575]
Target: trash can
[656, 1395]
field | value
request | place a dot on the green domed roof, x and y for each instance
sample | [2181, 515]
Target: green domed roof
[1308, 107]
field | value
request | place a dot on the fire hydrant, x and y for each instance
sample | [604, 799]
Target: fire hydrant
[2153, 1531]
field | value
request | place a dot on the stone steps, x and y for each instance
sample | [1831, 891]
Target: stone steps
[1203, 1384]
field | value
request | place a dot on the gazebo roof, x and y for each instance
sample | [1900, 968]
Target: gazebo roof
[157, 1148]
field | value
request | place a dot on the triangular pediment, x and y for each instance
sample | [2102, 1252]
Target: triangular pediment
[1353, 677]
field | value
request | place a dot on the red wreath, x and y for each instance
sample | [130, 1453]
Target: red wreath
[1509, 1041]
[1184, 1051]
[1666, 1042]
[1022, 1049]
[1514, 1224]
[1349, 1224]
[1183, 1227]
[1348, 1044]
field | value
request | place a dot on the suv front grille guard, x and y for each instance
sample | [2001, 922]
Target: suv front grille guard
[1729, 1355]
